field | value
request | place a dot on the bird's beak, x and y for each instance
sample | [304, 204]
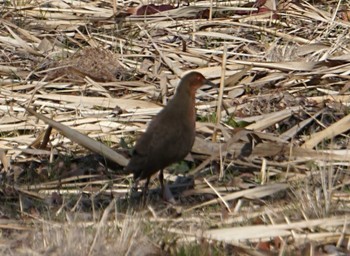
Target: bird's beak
[208, 82]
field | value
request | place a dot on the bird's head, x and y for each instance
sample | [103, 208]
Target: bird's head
[192, 81]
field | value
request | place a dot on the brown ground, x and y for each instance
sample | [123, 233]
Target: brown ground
[268, 174]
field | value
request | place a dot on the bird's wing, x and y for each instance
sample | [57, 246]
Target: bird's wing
[158, 147]
[158, 139]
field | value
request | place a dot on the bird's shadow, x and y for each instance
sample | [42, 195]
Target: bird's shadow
[154, 197]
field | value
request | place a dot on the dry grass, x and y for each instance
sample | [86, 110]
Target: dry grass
[271, 158]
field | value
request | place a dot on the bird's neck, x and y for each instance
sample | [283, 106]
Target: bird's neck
[183, 103]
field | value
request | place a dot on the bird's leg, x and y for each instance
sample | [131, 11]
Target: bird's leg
[145, 191]
[161, 180]
[134, 187]
[166, 193]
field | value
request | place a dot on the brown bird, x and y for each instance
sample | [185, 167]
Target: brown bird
[170, 135]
